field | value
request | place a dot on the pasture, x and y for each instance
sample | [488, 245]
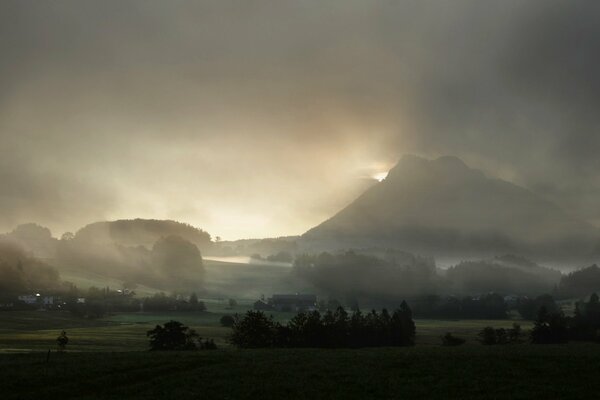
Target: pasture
[22, 331]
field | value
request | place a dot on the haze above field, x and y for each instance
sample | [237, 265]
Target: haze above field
[266, 118]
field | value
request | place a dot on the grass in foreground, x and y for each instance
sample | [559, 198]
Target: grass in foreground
[466, 372]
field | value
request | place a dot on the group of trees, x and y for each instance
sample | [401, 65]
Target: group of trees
[552, 326]
[505, 274]
[333, 329]
[585, 324]
[394, 276]
[343, 276]
[580, 283]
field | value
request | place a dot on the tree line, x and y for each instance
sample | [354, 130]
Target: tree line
[333, 329]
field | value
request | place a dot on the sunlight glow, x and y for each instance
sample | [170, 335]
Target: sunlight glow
[380, 175]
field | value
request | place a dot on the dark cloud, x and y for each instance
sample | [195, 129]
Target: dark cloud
[260, 118]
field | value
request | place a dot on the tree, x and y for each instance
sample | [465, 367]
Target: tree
[173, 336]
[405, 331]
[488, 336]
[255, 330]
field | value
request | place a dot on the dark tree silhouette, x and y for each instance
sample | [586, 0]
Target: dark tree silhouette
[253, 331]
[330, 330]
[173, 336]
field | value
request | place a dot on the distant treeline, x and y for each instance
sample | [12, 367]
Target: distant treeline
[333, 329]
[99, 302]
[382, 279]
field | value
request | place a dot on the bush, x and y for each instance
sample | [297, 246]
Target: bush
[449, 340]
[173, 336]
[490, 336]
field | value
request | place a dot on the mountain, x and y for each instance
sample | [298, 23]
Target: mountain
[442, 207]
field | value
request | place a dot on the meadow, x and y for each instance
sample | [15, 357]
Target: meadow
[26, 331]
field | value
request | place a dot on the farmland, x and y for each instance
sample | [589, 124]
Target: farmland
[498, 372]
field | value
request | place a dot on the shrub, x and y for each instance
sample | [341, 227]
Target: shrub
[490, 336]
[449, 340]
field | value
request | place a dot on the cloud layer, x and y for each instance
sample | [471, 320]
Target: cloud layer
[263, 118]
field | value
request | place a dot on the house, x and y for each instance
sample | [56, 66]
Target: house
[29, 298]
[293, 302]
[38, 300]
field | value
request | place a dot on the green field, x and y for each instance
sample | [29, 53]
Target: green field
[22, 331]
[466, 372]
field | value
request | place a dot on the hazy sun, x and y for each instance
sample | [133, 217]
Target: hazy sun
[380, 175]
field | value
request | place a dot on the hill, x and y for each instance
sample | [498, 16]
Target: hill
[140, 232]
[442, 207]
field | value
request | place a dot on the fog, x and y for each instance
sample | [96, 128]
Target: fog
[265, 118]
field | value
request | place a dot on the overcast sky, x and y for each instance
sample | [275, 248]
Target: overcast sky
[263, 118]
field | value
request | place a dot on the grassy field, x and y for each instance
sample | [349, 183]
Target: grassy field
[466, 372]
[22, 331]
